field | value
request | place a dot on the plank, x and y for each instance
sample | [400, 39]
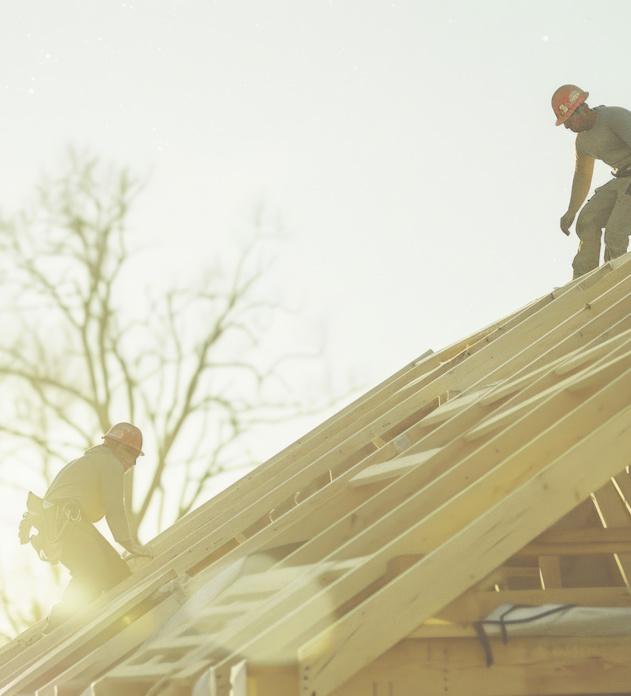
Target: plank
[391, 469]
[381, 430]
[579, 542]
[614, 512]
[259, 496]
[474, 606]
[105, 654]
[522, 667]
[578, 381]
[503, 528]
[288, 626]
[72, 640]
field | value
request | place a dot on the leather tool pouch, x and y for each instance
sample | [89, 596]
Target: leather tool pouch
[50, 520]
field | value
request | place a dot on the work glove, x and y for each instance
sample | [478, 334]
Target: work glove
[139, 550]
[26, 524]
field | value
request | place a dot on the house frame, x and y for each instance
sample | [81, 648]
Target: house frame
[366, 557]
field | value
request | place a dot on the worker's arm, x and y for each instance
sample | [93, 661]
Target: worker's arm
[580, 188]
[112, 484]
[136, 548]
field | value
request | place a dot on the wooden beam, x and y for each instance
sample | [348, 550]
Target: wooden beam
[361, 573]
[76, 638]
[270, 479]
[86, 669]
[358, 638]
[478, 605]
[579, 542]
[541, 666]
[346, 588]
[390, 469]
[614, 512]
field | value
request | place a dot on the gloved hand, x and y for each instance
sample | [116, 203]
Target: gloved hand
[26, 524]
[138, 549]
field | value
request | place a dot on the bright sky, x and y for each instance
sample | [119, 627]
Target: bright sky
[409, 147]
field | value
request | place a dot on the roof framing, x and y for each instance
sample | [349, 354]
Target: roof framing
[359, 559]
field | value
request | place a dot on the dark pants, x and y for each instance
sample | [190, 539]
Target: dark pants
[94, 565]
[609, 209]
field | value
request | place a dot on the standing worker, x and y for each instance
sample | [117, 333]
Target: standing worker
[604, 133]
[86, 490]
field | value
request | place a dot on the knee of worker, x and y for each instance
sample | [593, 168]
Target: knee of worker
[617, 236]
[587, 230]
[92, 560]
[78, 594]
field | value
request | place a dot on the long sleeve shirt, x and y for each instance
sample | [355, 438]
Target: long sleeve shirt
[609, 140]
[95, 482]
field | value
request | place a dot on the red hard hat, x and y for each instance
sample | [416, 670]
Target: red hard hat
[566, 100]
[128, 434]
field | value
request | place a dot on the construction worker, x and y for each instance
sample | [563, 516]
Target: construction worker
[86, 490]
[603, 133]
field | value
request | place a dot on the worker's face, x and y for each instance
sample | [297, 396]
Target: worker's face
[579, 121]
[127, 456]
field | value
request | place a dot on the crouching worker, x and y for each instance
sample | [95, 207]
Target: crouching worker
[84, 491]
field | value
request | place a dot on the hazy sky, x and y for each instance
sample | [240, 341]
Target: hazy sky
[409, 147]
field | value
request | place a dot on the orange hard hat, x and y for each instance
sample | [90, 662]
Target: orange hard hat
[566, 100]
[127, 434]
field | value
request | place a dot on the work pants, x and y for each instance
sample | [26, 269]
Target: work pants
[609, 209]
[94, 565]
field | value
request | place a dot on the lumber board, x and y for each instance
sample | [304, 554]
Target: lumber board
[339, 426]
[601, 349]
[535, 440]
[72, 639]
[212, 536]
[355, 640]
[392, 415]
[437, 467]
[455, 426]
[573, 542]
[235, 635]
[536, 379]
[352, 446]
[586, 317]
[541, 666]
[614, 512]
[292, 624]
[88, 668]
[606, 315]
[391, 469]
[335, 429]
[577, 381]
[452, 406]
[585, 280]
[474, 606]
[18, 644]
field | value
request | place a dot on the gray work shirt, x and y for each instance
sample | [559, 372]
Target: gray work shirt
[608, 140]
[95, 482]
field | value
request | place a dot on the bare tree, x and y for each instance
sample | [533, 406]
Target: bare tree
[77, 354]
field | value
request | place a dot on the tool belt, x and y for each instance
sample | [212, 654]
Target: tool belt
[50, 520]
